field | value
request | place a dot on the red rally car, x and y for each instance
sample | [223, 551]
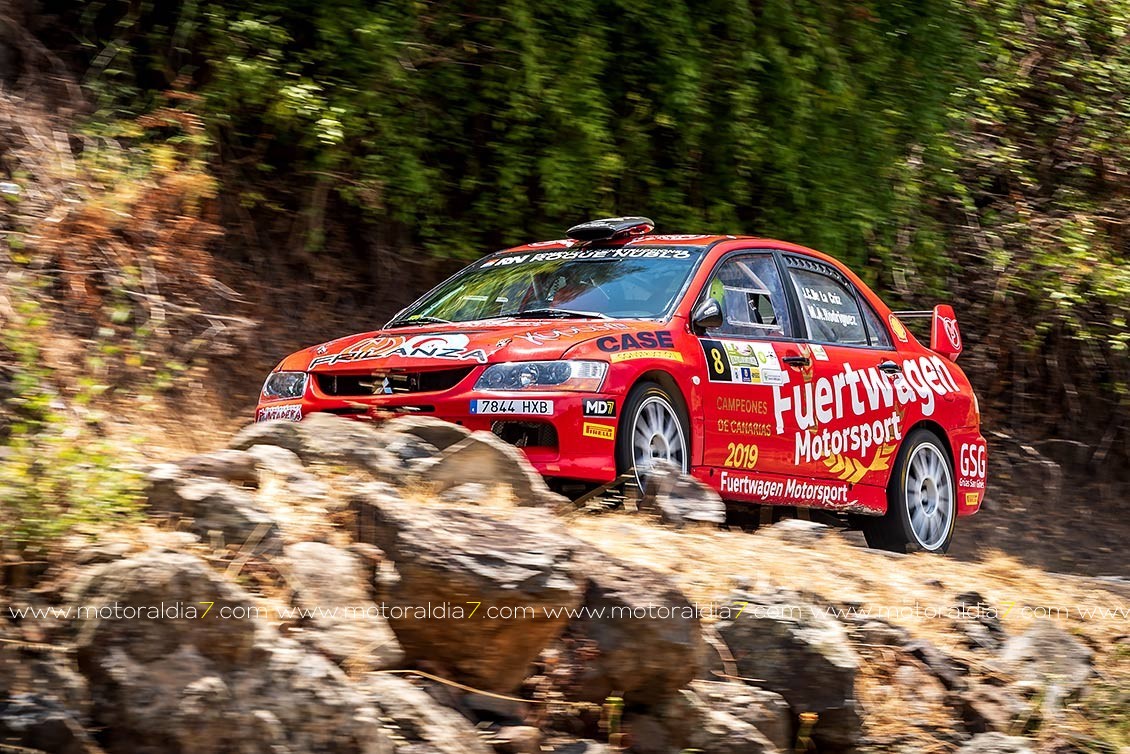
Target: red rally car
[767, 370]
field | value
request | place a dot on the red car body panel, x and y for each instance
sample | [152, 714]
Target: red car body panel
[826, 437]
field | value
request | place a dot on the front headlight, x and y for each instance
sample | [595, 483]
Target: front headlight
[586, 376]
[280, 385]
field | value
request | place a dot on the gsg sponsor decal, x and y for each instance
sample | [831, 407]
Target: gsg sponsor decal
[524, 407]
[972, 462]
[599, 408]
[291, 413]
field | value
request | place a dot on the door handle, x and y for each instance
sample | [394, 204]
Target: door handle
[890, 367]
[796, 360]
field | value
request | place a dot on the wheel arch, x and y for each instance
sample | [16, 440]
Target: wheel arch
[666, 381]
[938, 431]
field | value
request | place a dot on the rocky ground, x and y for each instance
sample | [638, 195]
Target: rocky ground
[333, 587]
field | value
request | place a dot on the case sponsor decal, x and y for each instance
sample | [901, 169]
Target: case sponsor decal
[290, 413]
[599, 431]
[795, 491]
[639, 345]
[744, 362]
[533, 407]
[454, 347]
[599, 408]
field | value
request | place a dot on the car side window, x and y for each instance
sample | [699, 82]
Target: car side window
[876, 331]
[828, 304]
[749, 289]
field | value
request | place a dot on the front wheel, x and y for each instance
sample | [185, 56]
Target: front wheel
[653, 430]
[921, 499]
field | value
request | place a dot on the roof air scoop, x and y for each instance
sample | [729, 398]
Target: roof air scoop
[611, 227]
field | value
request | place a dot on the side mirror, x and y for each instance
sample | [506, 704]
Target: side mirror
[707, 315]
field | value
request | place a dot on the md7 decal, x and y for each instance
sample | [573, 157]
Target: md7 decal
[743, 362]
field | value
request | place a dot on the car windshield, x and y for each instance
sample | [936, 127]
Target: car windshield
[620, 283]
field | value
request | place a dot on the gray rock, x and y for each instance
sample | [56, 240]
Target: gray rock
[211, 506]
[517, 739]
[459, 560]
[647, 640]
[987, 708]
[996, 743]
[285, 466]
[583, 746]
[206, 684]
[38, 724]
[691, 722]
[419, 725]
[680, 499]
[348, 627]
[436, 432]
[1047, 659]
[796, 650]
[326, 439]
[796, 531]
[485, 458]
[227, 465]
[764, 710]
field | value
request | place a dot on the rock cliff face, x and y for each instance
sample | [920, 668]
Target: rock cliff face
[318, 587]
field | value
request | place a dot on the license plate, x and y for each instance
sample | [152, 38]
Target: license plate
[526, 407]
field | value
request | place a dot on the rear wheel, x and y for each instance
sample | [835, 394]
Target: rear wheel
[652, 430]
[921, 499]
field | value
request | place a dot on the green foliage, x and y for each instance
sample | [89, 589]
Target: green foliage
[56, 474]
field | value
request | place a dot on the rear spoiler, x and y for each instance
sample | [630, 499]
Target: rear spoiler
[945, 335]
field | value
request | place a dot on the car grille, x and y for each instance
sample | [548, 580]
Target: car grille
[526, 434]
[392, 383]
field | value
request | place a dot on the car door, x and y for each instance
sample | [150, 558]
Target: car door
[843, 415]
[743, 367]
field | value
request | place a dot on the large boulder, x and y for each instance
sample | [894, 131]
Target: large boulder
[485, 458]
[764, 710]
[331, 586]
[438, 433]
[210, 506]
[680, 499]
[691, 722]
[1049, 661]
[166, 676]
[797, 650]
[422, 726]
[640, 635]
[476, 593]
[227, 465]
[326, 439]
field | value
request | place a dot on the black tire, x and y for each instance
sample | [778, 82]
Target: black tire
[640, 397]
[922, 518]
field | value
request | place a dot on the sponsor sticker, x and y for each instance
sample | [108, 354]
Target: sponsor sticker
[454, 347]
[523, 407]
[790, 490]
[599, 431]
[819, 353]
[971, 499]
[291, 413]
[599, 408]
[506, 260]
[648, 354]
[743, 362]
[897, 327]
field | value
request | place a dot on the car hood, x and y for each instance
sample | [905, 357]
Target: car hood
[465, 344]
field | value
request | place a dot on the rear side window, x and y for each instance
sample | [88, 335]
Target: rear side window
[828, 304]
[749, 289]
[875, 328]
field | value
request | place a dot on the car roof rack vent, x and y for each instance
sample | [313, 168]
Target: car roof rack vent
[611, 227]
